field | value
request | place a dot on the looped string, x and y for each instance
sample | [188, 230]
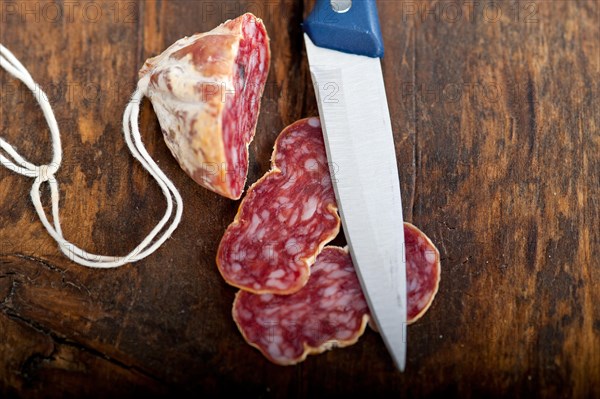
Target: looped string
[46, 173]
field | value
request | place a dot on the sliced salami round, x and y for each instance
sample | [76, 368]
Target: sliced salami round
[423, 272]
[285, 219]
[206, 90]
[328, 312]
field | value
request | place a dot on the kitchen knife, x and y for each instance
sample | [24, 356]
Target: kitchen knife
[344, 46]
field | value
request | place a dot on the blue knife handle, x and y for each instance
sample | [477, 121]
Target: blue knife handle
[356, 31]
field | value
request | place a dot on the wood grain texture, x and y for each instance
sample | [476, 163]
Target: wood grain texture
[496, 119]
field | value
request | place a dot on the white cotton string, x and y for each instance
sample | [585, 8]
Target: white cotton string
[45, 173]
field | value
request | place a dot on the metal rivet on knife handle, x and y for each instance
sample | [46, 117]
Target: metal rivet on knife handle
[341, 6]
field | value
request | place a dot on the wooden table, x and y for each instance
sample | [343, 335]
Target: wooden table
[496, 114]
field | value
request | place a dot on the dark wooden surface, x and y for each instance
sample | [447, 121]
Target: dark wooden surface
[496, 118]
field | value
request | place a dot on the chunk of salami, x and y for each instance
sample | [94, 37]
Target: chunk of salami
[206, 90]
[285, 219]
[328, 312]
[331, 310]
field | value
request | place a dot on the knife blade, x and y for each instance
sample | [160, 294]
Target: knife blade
[344, 46]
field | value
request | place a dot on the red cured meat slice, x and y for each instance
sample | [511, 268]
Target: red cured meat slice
[330, 311]
[423, 271]
[285, 219]
[206, 90]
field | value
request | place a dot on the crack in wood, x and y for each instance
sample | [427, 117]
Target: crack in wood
[11, 292]
[51, 267]
[59, 339]
[41, 261]
[34, 362]
[532, 113]
[413, 197]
